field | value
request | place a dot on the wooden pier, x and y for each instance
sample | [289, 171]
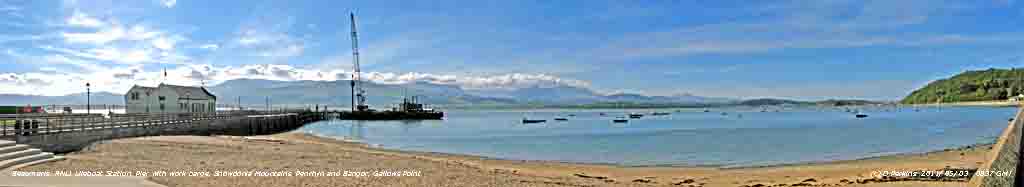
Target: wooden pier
[70, 132]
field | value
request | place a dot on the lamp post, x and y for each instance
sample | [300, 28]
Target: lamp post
[88, 100]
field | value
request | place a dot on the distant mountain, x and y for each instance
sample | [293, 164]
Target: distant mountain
[771, 101]
[97, 98]
[848, 102]
[338, 93]
[829, 102]
[254, 92]
[547, 95]
[985, 85]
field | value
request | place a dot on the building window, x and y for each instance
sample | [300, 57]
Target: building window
[161, 98]
[161, 107]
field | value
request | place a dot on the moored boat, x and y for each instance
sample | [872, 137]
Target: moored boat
[635, 115]
[527, 121]
[860, 115]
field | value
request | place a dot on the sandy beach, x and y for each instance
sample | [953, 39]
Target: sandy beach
[294, 152]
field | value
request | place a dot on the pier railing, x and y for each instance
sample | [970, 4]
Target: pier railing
[12, 125]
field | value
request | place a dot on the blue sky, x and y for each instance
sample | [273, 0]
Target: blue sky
[791, 49]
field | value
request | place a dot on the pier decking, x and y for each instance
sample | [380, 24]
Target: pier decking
[1005, 158]
[65, 133]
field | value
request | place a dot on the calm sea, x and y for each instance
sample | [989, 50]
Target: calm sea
[729, 137]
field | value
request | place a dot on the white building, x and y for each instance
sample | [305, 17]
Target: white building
[167, 98]
[1018, 98]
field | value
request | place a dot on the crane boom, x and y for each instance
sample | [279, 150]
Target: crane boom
[358, 97]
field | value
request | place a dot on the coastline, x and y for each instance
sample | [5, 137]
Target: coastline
[974, 103]
[297, 151]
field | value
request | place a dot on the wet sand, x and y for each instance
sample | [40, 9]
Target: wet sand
[300, 152]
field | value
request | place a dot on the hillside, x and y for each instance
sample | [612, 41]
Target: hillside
[380, 95]
[253, 92]
[984, 85]
[98, 98]
[770, 101]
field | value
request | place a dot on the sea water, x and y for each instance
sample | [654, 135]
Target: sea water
[722, 137]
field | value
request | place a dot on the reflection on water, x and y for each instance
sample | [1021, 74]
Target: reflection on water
[687, 137]
[357, 129]
[410, 124]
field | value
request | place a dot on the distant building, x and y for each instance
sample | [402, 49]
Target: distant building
[1018, 98]
[166, 98]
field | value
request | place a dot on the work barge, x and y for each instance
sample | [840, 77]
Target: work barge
[409, 109]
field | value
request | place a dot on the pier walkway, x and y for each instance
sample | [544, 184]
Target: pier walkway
[69, 132]
[1005, 158]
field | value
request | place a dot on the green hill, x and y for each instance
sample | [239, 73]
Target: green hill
[985, 85]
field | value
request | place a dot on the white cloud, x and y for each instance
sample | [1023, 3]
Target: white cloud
[120, 79]
[119, 55]
[122, 55]
[98, 38]
[168, 3]
[109, 34]
[251, 37]
[164, 43]
[210, 46]
[83, 20]
[802, 25]
[88, 66]
[287, 51]
[270, 44]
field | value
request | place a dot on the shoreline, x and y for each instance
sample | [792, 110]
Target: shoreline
[719, 167]
[974, 103]
[301, 151]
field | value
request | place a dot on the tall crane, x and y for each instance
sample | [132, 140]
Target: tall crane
[358, 94]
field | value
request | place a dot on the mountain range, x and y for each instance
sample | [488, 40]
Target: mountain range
[255, 92]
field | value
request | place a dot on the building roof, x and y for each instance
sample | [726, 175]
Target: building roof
[189, 90]
[143, 88]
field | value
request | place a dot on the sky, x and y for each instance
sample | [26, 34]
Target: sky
[743, 49]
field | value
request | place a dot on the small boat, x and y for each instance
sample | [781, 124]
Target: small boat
[659, 113]
[635, 115]
[861, 115]
[572, 115]
[602, 114]
[526, 121]
[561, 119]
[620, 120]
[706, 110]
